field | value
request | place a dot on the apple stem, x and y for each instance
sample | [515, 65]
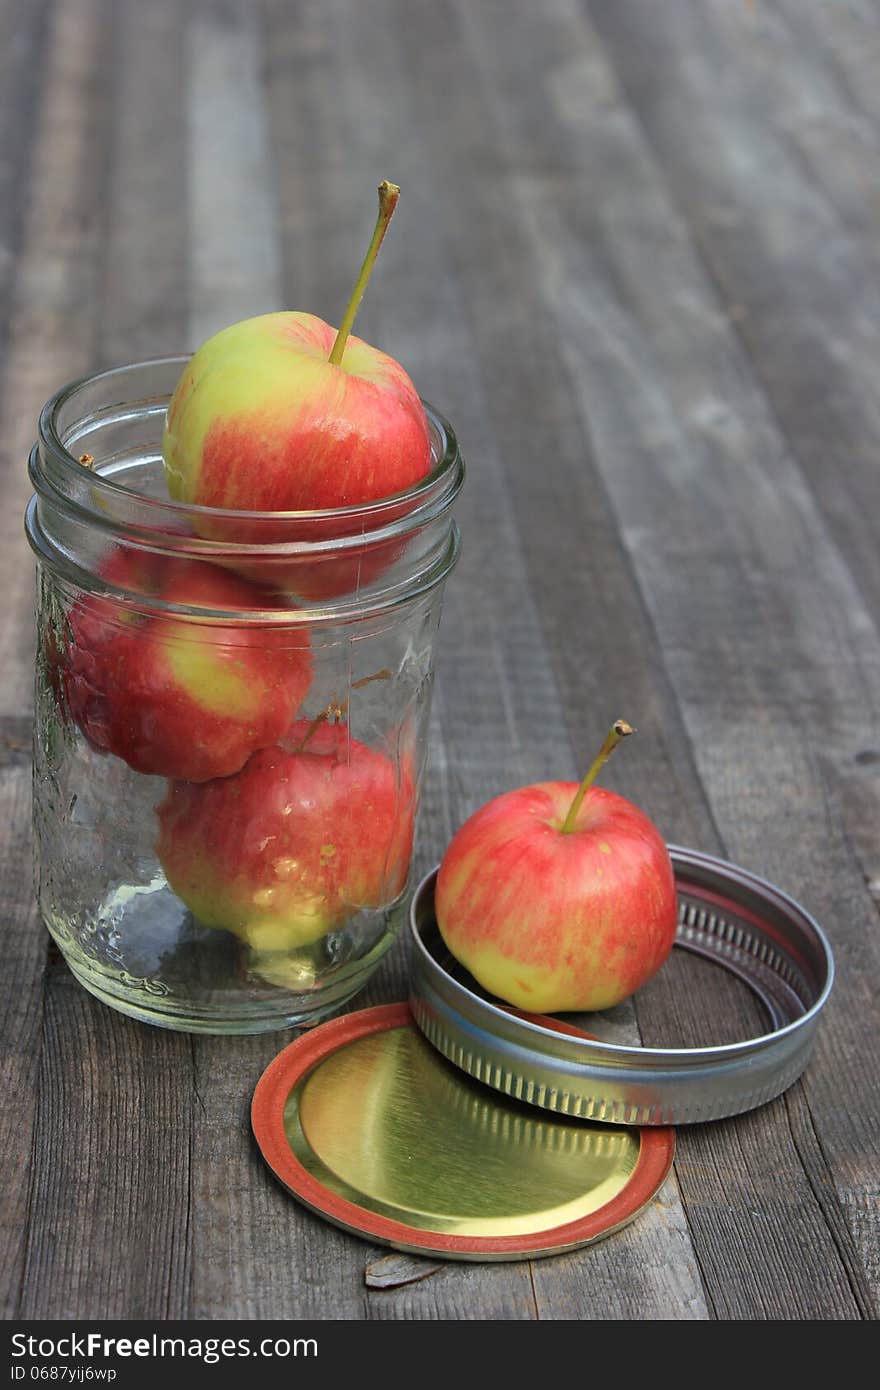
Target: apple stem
[337, 711]
[333, 711]
[388, 196]
[619, 730]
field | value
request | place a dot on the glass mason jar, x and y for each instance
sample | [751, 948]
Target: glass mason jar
[231, 713]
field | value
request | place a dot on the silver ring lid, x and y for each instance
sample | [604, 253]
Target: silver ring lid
[726, 914]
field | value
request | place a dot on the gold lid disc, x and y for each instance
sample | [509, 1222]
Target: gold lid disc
[365, 1122]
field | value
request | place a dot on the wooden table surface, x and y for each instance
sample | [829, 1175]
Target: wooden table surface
[637, 264]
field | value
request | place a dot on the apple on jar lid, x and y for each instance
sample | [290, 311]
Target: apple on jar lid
[558, 897]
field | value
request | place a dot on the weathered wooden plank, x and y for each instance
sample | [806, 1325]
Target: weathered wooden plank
[23, 942]
[703, 486]
[143, 289]
[51, 333]
[108, 1233]
[827, 107]
[782, 205]
[26, 206]
[234, 268]
[786, 66]
[104, 256]
[24, 29]
[843, 46]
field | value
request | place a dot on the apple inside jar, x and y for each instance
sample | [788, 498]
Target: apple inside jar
[283, 414]
[173, 696]
[293, 847]
[281, 421]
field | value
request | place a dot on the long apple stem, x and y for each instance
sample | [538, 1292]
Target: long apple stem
[332, 711]
[388, 196]
[619, 730]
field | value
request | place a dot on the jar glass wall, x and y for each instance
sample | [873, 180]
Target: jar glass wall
[231, 714]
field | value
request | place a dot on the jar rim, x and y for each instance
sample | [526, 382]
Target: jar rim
[75, 510]
[327, 612]
[52, 443]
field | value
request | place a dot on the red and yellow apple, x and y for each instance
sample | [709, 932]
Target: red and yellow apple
[558, 898]
[262, 420]
[174, 695]
[282, 413]
[296, 843]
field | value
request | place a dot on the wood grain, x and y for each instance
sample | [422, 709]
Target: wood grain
[635, 264]
[40, 340]
[22, 938]
[53, 311]
[813, 261]
[24, 34]
[23, 942]
[108, 1232]
[144, 286]
[234, 265]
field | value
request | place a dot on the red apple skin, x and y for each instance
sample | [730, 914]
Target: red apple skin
[550, 921]
[261, 420]
[295, 844]
[171, 696]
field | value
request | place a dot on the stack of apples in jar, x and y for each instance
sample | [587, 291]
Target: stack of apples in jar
[277, 823]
